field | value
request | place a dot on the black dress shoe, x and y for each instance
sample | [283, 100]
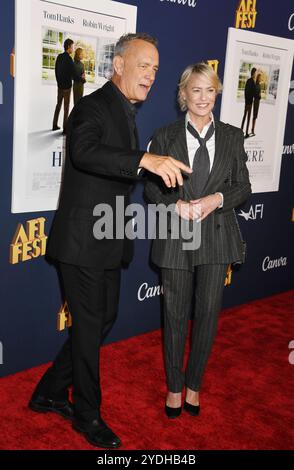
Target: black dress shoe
[172, 413]
[193, 410]
[97, 433]
[42, 405]
[55, 128]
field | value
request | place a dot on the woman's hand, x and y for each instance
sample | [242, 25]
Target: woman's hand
[206, 205]
[187, 211]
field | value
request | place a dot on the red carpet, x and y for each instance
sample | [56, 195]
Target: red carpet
[247, 400]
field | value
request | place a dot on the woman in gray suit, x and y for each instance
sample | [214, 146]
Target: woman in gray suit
[195, 278]
[80, 80]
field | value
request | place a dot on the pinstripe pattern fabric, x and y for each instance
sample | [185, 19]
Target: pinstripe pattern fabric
[179, 293]
[221, 239]
[221, 244]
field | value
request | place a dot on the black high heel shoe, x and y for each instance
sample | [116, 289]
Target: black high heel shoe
[172, 413]
[193, 410]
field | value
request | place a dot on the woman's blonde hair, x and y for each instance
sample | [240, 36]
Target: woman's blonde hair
[78, 53]
[201, 68]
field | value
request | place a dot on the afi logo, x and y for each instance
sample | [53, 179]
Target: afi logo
[254, 212]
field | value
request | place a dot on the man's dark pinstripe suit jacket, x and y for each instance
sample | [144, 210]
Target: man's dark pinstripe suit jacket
[221, 239]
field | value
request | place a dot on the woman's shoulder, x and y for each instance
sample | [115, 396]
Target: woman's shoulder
[170, 129]
[225, 126]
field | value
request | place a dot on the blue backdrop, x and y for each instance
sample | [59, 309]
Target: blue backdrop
[30, 295]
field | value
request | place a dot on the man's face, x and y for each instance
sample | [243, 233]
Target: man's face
[70, 49]
[136, 69]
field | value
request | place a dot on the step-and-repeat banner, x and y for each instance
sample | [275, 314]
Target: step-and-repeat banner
[238, 40]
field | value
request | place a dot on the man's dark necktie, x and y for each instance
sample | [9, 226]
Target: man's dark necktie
[201, 162]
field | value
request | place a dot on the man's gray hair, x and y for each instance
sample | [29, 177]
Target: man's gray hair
[125, 40]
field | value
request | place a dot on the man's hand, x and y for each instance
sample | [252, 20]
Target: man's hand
[188, 211]
[168, 168]
[206, 205]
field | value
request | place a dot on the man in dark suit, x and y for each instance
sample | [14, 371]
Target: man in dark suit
[102, 162]
[65, 74]
[195, 278]
[249, 92]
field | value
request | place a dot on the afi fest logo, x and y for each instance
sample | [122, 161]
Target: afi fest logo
[29, 242]
[246, 14]
[255, 212]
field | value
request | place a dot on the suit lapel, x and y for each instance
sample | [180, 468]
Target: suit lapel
[177, 148]
[117, 112]
[221, 157]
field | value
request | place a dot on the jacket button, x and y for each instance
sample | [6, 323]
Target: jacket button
[218, 226]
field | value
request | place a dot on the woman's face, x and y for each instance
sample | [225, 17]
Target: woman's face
[199, 95]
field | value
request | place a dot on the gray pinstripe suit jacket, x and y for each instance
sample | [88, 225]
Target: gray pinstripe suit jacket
[221, 239]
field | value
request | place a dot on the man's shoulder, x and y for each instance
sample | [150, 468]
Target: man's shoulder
[102, 94]
[96, 103]
[96, 97]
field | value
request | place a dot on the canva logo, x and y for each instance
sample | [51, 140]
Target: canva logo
[273, 263]
[188, 3]
[291, 355]
[255, 212]
[145, 292]
[291, 23]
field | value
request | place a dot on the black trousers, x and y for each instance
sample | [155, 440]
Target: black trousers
[178, 291]
[247, 112]
[92, 296]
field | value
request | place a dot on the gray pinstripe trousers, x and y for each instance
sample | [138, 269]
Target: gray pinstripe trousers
[179, 291]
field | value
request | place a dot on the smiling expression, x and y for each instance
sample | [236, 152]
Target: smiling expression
[199, 95]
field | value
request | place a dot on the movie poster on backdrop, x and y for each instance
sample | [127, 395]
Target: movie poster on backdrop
[41, 29]
[255, 98]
